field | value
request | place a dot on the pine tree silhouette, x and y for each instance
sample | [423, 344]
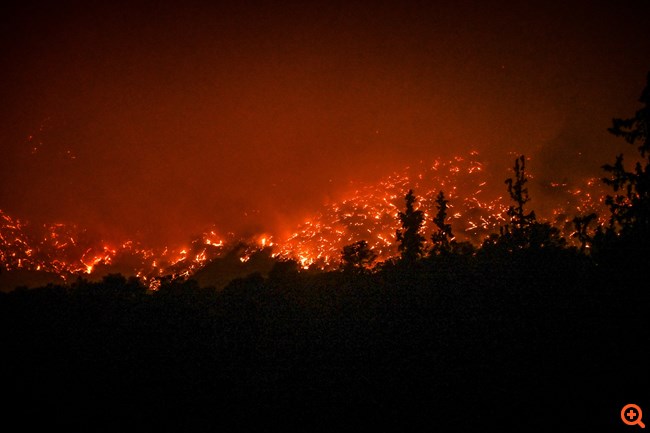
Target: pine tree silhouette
[518, 191]
[630, 205]
[522, 230]
[411, 242]
[443, 237]
[516, 231]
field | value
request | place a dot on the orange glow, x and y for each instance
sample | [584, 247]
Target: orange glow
[368, 213]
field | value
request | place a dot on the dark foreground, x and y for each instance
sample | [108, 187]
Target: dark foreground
[519, 342]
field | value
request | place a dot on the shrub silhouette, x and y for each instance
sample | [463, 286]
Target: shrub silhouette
[357, 257]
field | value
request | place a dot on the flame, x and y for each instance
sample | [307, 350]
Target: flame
[369, 212]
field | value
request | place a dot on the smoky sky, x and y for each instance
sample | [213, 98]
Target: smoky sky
[157, 119]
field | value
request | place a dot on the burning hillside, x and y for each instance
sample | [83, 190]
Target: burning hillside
[368, 213]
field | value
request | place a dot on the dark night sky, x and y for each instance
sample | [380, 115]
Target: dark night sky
[155, 120]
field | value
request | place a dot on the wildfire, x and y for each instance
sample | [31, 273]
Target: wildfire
[477, 207]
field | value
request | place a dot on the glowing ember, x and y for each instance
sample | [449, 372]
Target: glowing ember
[368, 213]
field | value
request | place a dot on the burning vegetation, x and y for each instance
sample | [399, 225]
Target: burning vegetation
[475, 210]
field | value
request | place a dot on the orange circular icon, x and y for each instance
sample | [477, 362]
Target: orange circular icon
[631, 415]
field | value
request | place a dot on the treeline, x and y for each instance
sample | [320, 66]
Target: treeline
[625, 238]
[522, 332]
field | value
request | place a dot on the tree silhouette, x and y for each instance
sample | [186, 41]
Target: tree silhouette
[630, 205]
[357, 256]
[442, 238]
[515, 233]
[522, 229]
[411, 242]
[519, 219]
[581, 224]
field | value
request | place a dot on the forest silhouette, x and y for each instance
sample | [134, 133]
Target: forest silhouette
[522, 332]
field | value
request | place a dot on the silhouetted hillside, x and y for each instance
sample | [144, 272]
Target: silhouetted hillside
[466, 342]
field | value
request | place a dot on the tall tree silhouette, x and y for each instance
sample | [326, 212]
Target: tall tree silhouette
[516, 231]
[519, 219]
[411, 242]
[357, 257]
[522, 230]
[630, 205]
[442, 238]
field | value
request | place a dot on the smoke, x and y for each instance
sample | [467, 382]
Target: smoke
[153, 122]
